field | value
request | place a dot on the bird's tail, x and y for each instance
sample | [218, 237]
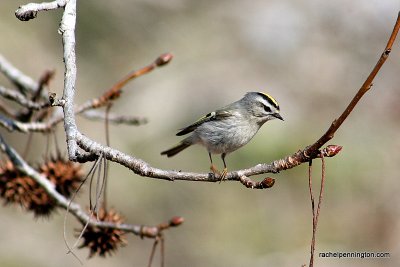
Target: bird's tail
[176, 149]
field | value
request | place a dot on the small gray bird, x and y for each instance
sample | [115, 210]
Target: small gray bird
[229, 128]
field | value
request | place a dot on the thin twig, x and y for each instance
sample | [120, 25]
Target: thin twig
[29, 11]
[27, 115]
[153, 251]
[364, 88]
[162, 250]
[23, 82]
[315, 212]
[114, 118]
[314, 227]
[107, 132]
[115, 91]
[19, 98]
[97, 102]
[321, 190]
[93, 171]
[311, 191]
[43, 83]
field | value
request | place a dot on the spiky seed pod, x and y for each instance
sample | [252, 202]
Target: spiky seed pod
[11, 184]
[103, 241]
[64, 174]
[18, 188]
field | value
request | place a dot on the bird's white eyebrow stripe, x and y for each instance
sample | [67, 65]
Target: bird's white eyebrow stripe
[269, 99]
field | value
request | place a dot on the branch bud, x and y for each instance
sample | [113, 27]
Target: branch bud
[163, 59]
[175, 221]
[25, 15]
[331, 150]
[267, 182]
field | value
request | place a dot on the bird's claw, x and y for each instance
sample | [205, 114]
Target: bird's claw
[222, 175]
[217, 173]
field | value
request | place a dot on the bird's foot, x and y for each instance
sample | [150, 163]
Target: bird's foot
[223, 174]
[217, 173]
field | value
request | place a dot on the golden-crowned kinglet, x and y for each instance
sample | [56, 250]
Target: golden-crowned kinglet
[229, 128]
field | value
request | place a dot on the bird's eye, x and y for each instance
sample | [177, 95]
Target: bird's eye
[267, 109]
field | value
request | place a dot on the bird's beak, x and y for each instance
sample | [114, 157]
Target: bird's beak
[278, 116]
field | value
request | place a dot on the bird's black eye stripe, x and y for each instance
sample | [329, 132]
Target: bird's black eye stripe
[267, 109]
[211, 115]
[269, 99]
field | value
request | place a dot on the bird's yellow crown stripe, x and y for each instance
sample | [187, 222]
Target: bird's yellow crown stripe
[270, 98]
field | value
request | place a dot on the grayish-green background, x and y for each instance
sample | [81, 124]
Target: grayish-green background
[310, 55]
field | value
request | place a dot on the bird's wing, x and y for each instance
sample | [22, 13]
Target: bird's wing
[215, 115]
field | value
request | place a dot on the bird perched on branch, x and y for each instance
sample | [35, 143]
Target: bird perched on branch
[229, 128]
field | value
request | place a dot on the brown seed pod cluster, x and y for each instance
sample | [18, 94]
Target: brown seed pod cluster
[65, 174]
[103, 241]
[18, 188]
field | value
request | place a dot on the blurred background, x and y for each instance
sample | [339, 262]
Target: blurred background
[312, 56]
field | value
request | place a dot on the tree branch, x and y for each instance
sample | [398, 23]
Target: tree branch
[74, 208]
[82, 148]
[115, 91]
[29, 11]
[97, 102]
[23, 82]
[114, 118]
[364, 88]
[67, 29]
[21, 99]
[75, 138]
[144, 169]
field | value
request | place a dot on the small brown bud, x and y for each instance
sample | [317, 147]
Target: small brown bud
[164, 59]
[268, 182]
[331, 150]
[52, 97]
[175, 221]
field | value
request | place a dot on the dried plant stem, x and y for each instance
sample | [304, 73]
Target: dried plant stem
[159, 239]
[153, 251]
[315, 212]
